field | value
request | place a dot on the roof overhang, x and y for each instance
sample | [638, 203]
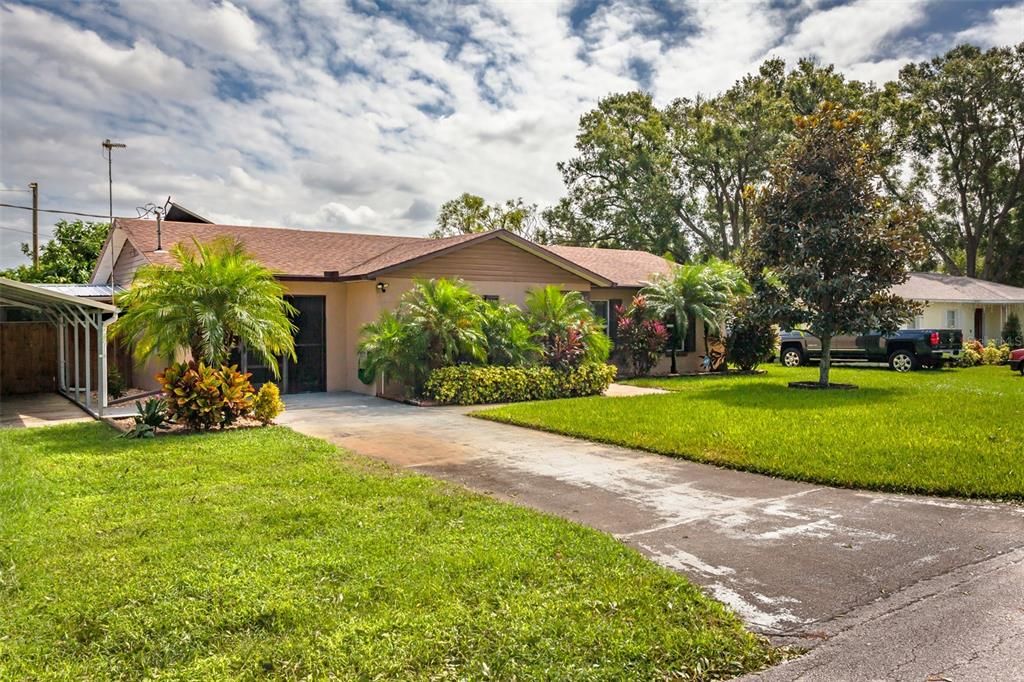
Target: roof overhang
[506, 236]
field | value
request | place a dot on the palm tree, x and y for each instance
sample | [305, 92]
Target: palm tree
[447, 315]
[215, 297]
[702, 291]
[510, 341]
[552, 313]
[393, 349]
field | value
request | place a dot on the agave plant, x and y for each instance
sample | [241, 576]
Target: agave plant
[213, 298]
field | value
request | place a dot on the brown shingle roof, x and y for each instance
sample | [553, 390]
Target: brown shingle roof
[308, 253]
[625, 268]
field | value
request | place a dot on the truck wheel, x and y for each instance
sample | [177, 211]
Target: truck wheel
[903, 361]
[791, 357]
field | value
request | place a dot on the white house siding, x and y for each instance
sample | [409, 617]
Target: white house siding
[936, 316]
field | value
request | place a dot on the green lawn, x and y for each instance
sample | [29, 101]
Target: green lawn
[265, 553]
[950, 432]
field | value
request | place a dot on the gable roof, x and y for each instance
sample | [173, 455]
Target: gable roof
[308, 254]
[625, 268]
[933, 286]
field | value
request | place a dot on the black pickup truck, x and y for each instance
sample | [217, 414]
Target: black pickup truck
[906, 350]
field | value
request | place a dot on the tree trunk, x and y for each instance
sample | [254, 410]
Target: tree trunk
[826, 360]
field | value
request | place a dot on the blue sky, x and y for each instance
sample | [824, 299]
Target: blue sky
[366, 115]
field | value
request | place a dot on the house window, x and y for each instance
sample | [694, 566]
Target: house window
[916, 322]
[600, 309]
[951, 319]
[687, 344]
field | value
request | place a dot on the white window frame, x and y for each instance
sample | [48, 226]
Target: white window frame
[956, 318]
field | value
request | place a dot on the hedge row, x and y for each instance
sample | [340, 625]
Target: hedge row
[474, 385]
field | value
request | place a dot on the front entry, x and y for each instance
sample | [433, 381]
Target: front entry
[307, 373]
[979, 324]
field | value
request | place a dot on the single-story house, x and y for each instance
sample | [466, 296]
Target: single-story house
[975, 306]
[340, 281]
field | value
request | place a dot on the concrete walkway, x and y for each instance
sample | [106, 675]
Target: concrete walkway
[39, 409]
[801, 563]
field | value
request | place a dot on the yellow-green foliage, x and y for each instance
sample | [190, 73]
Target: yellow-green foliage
[268, 403]
[474, 385]
[995, 355]
[971, 355]
[203, 397]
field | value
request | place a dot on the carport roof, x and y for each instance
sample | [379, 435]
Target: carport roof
[33, 296]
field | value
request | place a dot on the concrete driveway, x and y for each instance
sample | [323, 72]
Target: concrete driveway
[803, 564]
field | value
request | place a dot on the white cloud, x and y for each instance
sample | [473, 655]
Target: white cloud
[329, 115]
[1005, 26]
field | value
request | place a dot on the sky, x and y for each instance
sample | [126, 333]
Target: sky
[366, 115]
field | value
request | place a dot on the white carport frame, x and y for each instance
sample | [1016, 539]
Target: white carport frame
[69, 314]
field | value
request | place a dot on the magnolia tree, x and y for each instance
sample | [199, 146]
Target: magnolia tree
[828, 246]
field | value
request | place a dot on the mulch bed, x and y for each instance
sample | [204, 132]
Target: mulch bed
[125, 424]
[815, 386]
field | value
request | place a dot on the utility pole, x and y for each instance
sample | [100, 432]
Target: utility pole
[34, 186]
[110, 147]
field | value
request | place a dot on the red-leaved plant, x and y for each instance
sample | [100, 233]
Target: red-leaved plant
[641, 336]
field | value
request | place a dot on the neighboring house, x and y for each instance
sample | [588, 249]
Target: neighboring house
[977, 307]
[340, 281]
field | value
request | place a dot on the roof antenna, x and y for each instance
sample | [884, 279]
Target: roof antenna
[159, 235]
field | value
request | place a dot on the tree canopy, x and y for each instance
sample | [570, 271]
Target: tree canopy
[69, 256]
[959, 124]
[828, 245]
[469, 213]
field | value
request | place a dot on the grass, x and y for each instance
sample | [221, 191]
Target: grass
[263, 553]
[957, 432]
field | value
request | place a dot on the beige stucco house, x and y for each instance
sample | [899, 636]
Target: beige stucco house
[340, 281]
[975, 306]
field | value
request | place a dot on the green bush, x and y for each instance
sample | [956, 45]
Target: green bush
[268, 403]
[473, 385]
[115, 382]
[750, 339]
[148, 418]
[202, 397]
[1012, 333]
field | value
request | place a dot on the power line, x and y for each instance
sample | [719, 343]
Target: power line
[15, 190]
[53, 210]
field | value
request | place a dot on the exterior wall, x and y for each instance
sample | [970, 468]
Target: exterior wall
[496, 261]
[128, 261]
[993, 318]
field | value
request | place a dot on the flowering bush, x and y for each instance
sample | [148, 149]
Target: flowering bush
[473, 385]
[641, 337]
[971, 354]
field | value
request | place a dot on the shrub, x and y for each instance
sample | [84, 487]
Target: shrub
[151, 416]
[642, 338]
[472, 385]
[993, 354]
[971, 355]
[268, 403]
[564, 322]
[115, 382]
[202, 397]
[1012, 333]
[750, 339]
